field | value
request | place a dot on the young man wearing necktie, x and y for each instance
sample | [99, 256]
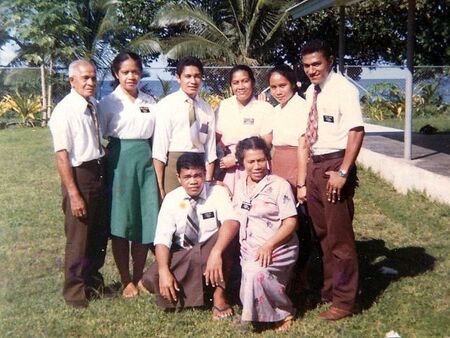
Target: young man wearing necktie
[331, 144]
[196, 225]
[184, 123]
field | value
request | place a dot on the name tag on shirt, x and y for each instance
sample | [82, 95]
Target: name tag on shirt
[204, 128]
[246, 206]
[144, 109]
[249, 121]
[208, 215]
[328, 118]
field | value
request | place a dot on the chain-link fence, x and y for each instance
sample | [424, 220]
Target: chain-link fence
[381, 87]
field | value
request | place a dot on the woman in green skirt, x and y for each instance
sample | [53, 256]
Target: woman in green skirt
[128, 117]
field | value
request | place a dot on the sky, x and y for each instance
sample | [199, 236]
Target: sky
[7, 53]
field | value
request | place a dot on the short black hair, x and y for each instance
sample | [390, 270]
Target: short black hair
[317, 45]
[122, 57]
[243, 68]
[190, 161]
[285, 71]
[189, 61]
[251, 143]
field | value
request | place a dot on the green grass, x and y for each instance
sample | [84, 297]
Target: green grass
[441, 122]
[407, 233]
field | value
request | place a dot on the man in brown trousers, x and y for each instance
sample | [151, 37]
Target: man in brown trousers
[194, 242]
[332, 142]
[78, 151]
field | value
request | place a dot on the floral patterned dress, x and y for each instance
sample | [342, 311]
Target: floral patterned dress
[261, 212]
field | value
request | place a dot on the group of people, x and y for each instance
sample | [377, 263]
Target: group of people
[160, 185]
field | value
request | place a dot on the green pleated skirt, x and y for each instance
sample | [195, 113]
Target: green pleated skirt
[134, 196]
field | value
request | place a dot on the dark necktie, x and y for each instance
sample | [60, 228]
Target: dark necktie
[191, 234]
[94, 117]
[313, 121]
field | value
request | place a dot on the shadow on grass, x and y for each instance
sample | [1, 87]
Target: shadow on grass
[380, 266]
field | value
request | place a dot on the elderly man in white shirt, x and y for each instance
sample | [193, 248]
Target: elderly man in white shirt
[76, 138]
[185, 123]
[196, 225]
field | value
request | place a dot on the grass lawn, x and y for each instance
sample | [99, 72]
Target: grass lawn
[406, 233]
[441, 122]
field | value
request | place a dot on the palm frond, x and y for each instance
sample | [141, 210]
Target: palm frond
[146, 44]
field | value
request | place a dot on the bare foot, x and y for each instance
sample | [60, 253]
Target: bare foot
[142, 288]
[130, 291]
[221, 308]
[285, 324]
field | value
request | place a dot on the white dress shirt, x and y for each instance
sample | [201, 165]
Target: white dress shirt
[214, 207]
[173, 132]
[289, 122]
[236, 123]
[124, 119]
[338, 111]
[73, 129]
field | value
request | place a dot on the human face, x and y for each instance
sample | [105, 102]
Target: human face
[84, 80]
[281, 88]
[129, 76]
[190, 80]
[316, 67]
[242, 86]
[255, 164]
[192, 180]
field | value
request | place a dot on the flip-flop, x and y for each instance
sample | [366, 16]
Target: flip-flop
[284, 324]
[221, 310]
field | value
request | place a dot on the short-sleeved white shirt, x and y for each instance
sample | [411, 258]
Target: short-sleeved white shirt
[74, 130]
[213, 209]
[236, 123]
[338, 111]
[172, 129]
[289, 122]
[125, 119]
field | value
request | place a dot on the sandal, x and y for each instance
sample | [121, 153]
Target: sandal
[221, 313]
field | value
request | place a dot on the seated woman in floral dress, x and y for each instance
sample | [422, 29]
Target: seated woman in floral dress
[269, 245]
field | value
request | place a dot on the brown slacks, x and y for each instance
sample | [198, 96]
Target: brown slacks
[187, 266]
[86, 238]
[333, 226]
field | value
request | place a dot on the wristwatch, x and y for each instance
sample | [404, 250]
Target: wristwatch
[343, 173]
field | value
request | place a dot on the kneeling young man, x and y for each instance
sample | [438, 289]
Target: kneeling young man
[196, 224]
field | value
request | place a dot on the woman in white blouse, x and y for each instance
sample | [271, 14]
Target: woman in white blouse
[289, 123]
[128, 119]
[239, 117]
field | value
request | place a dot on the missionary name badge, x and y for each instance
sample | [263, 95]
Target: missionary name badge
[328, 118]
[208, 215]
[144, 109]
[246, 206]
[249, 121]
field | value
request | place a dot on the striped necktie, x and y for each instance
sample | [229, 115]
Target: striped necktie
[94, 117]
[191, 233]
[313, 121]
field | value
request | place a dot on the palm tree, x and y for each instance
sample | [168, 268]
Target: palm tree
[222, 32]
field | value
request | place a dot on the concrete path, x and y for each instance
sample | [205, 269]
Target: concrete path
[428, 171]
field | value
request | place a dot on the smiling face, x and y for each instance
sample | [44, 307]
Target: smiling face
[190, 80]
[192, 180]
[242, 86]
[255, 164]
[129, 76]
[316, 67]
[281, 88]
[84, 80]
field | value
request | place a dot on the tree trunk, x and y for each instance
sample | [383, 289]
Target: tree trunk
[49, 91]
[44, 96]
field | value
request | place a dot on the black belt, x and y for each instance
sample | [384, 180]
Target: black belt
[329, 156]
[91, 163]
